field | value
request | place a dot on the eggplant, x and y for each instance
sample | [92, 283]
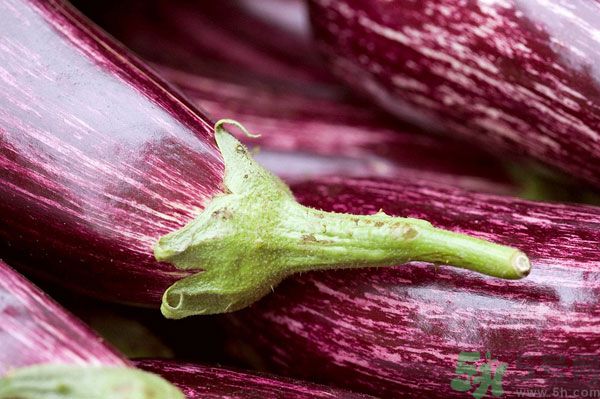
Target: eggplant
[318, 128]
[309, 128]
[513, 76]
[200, 381]
[399, 332]
[123, 191]
[266, 39]
[34, 329]
[339, 136]
[99, 158]
[47, 351]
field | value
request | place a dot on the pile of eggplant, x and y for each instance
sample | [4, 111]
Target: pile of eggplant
[299, 199]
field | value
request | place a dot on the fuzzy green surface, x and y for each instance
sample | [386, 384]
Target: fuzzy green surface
[85, 382]
[254, 235]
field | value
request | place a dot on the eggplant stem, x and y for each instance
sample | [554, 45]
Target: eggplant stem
[249, 239]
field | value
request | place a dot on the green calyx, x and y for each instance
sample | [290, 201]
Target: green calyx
[250, 238]
[85, 382]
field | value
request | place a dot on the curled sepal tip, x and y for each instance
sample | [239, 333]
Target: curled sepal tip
[255, 234]
[51, 381]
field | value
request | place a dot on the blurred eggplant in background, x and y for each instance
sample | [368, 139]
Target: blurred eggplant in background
[47, 351]
[517, 76]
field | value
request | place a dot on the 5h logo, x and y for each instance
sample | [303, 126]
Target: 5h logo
[481, 377]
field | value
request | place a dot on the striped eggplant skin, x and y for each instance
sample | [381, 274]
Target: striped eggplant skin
[338, 136]
[45, 352]
[396, 332]
[35, 330]
[318, 127]
[264, 39]
[98, 156]
[511, 75]
[199, 381]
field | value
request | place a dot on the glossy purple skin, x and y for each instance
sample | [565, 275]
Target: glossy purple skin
[304, 135]
[514, 75]
[34, 329]
[307, 127]
[199, 381]
[399, 331]
[270, 38]
[99, 157]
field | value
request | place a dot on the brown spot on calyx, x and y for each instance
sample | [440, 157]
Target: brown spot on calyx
[410, 233]
[404, 231]
[378, 224]
[240, 149]
[224, 214]
[309, 238]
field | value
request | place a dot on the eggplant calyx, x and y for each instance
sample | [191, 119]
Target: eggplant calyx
[50, 381]
[247, 240]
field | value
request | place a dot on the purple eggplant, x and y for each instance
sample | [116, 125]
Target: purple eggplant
[43, 346]
[270, 38]
[337, 136]
[199, 381]
[99, 158]
[35, 330]
[122, 190]
[307, 127]
[400, 332]
[47, 351]
[516, 76]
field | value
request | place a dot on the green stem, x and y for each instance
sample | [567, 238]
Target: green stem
[84, 382]
[250, 238]
[333, 240]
